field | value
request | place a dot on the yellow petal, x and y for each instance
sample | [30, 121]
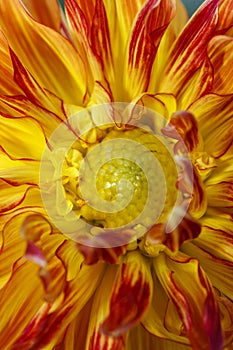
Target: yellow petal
[22, 138]
[216, 128]
[48, 56]
[13, 247]
[190, 291]
[219, 270]
[19, 302]
[48, 114]
[77, 293]
[18, 172]
[11, 196]
[158, 321]
[140, 339]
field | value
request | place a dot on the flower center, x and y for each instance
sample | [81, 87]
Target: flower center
[126, 177]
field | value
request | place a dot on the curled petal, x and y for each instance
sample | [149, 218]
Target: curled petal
[131, 295]
[107, 246]
[183, 123]
[180, 228]
[190, 290]
[45, 12]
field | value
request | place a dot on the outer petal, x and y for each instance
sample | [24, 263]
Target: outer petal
[7, 84]
[146, 35]
[77, 293]
[95, 339]
[46, 54]
[161, 319]
[220, 52]
[12, 248]
[189, 51]
[192, 294]
[219, 270]
[131, 295]
[28, 139]
[140, 339]
[18, 172]
[88, 32]
[216, 128]
[167, 42]
[46, 12]
[19, 305]
[32, 90]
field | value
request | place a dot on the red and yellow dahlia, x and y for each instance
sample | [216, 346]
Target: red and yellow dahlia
[116, 175]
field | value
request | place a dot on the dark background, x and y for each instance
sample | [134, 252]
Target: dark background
[191, 5]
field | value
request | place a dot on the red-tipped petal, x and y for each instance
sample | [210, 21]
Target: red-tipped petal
[190, 50]
[131, 295]
[150, 25]
[190, 290]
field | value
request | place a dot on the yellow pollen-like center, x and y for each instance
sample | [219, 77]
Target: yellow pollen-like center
[111, 181]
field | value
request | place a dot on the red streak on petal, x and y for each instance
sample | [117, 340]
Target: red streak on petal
[128, 303]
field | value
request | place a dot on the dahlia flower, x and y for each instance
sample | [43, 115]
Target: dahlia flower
[116, 175]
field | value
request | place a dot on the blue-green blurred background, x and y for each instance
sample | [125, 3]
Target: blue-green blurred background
[191, 5]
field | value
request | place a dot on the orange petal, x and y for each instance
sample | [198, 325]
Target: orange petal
[189, 289]
[189, 51]
[131, 295]
[150, 24]
[47, 13]
[216, 128]
[49, 57]
[7, 84]
[225, 16]
[220, 54]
